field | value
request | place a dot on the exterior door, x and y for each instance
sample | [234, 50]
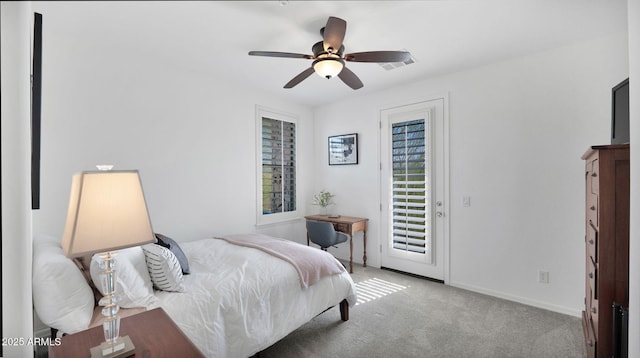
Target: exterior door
[413, 188]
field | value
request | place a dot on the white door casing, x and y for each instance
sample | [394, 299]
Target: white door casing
[408, 252]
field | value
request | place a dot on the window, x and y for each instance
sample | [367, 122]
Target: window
[410, 184]
[276, 166]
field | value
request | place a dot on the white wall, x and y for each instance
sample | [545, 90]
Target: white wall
[16, 199]
[517, 131]
[191, 137]
[634, 245]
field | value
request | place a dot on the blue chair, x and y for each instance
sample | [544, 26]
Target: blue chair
[323, 234]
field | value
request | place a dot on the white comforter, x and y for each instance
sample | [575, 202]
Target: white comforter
[239, 301]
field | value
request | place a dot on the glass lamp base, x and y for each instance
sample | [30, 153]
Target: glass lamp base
[123, 347]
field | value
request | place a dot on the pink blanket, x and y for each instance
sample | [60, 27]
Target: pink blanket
[312, 264]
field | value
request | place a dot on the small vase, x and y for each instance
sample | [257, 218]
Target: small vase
[324, 210]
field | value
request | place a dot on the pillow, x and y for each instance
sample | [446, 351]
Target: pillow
[61, 296]
[133, 284]
[164, 268]
[170, 244]
[83, 263]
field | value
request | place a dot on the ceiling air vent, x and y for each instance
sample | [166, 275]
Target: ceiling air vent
[393, 65]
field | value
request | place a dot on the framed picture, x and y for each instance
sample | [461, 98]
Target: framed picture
[343, 149]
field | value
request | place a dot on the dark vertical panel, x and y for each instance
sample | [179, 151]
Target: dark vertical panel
[36, 100]
[620, 113]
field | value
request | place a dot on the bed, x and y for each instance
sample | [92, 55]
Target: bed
[237, 299]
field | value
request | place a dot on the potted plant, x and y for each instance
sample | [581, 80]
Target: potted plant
[323, 199]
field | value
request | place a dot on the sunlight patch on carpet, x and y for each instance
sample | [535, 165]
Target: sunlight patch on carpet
[375, 288]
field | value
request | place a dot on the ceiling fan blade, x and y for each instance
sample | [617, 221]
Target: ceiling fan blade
[280, 54]
[378, 56]
[333, 33]
[299, 78]
[350, 79]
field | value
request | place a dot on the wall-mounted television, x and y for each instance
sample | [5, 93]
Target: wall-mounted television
[620, 113]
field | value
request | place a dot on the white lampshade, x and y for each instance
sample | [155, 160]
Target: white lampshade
[107, 211]
[328, 68]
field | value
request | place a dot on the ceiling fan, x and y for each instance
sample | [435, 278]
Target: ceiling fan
[328, 57]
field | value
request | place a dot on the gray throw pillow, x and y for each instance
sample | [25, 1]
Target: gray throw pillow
[173, 246]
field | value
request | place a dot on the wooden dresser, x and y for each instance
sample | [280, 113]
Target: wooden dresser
[607, 244]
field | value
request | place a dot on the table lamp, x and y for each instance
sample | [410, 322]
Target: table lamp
[107, 212]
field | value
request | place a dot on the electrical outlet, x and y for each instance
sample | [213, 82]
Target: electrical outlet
[543, 276]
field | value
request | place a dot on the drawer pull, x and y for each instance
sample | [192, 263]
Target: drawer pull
[590, 274]
[590, 343]
[591, 241]
[594, 174]
[594, 310]
[592, 208]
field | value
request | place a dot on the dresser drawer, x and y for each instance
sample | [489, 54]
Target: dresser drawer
[588, 168]
[589, 337]
[592, 182]
[342, 228]
[592, 278]
[592, 210]
[593, 315]
[592, 309]
[592, 243]
[594, 177]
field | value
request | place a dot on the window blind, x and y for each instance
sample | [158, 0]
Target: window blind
[410, 184]
[278, 166]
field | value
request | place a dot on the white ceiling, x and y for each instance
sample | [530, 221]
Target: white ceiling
[213, 37]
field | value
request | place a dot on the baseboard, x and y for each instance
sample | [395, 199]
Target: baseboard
[527, 301]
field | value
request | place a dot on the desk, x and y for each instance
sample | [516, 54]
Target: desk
[152, 332]
[348, 225]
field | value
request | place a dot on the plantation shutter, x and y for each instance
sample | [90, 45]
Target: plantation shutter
[410, 187]
[278, 166]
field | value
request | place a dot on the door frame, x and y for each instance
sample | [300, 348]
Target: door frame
[447, 201]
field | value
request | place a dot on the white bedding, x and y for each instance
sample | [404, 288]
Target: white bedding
[239, 300]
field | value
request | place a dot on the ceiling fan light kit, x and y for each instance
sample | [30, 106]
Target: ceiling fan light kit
[329, 63]
[328, 67]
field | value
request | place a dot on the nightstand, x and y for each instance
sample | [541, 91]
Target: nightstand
[153, 333]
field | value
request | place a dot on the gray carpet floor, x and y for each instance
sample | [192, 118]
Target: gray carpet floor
[403, 316]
